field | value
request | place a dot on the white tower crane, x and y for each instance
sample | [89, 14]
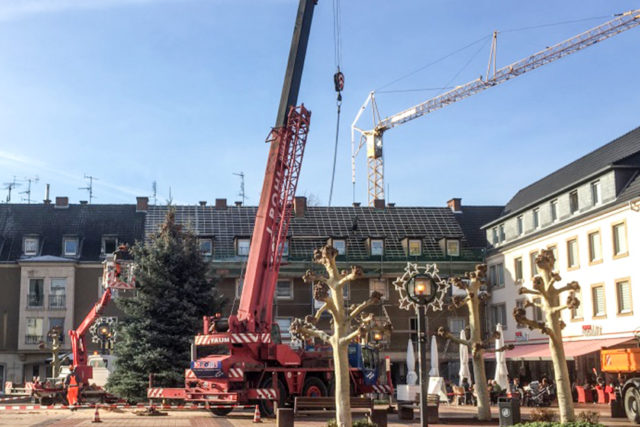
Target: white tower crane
[373, 140]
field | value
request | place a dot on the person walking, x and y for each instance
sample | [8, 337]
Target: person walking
[72, 385]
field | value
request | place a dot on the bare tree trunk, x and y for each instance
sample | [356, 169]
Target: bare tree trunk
[343, 390]
[482, 392]
[561, 372]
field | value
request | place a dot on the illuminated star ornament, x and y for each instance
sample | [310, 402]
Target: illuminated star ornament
[411, 271]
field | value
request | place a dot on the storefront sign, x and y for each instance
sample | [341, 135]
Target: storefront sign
[522, 336]
[591, 330]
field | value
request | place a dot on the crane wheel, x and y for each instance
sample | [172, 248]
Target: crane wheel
[221, 412]
[314, 387]
[632, 404]
[266, 406]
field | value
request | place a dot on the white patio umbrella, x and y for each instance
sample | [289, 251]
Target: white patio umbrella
[501, 375]
[412, 377]
[464, 360]
[434, 371]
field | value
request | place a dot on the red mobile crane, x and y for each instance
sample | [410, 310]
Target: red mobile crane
[117, 274]
[241, 360]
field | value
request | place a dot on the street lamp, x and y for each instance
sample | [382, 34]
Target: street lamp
[422, 290]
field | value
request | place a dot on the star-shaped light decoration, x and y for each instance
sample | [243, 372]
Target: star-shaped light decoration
[410, 272]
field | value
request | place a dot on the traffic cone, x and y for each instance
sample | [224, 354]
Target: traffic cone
[96, 416]
[256, 415]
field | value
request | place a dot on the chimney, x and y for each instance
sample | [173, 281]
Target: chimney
[455, 205]
[356, 204]
[47, 201]
[203, 203]
[62, 202]
[391, 205]
[378, 203]
[300, 206]
[142, 204]
[221, 203]
[238, 204]
[84, 202]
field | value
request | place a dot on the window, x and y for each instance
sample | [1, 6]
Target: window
[619, 239]
[31, 245]
[623, 290]
[494, 232]
[520, 304]
[573, 201]
[379, 285]
[377, 247]
[576, 313]
[57, 295]
[554, 250]
[415, 247]
[284, 289]
[56, 322]
[595, 192]
[500, 274]
[532, 261]
[340, 245]
[206, 247]
[284, 323]
[109, 245]
[572, 254]
[501, 234]
[597, 299]
[453, 247]
[34, 331]
[595, 248]
[456, 324]
[517, 268]
[538, 316]
[35, 297]
[70, 246]
[498, 315]
[554, 210]
[242, 247]
[520, 222]
[239, 283]
[492, 276]
[536, 218]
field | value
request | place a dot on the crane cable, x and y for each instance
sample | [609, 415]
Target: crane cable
[338, 83]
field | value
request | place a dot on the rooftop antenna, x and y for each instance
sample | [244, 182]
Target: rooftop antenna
[10, 186]
[241, 193]
[154, 186]
[89, 187]
[28, 190]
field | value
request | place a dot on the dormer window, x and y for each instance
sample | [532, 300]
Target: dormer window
[494, 235]
[340, 245]
[70, 246]
[109, 245]
[536, 218]
[573, 201]
[415, 247]
[242, 246]
[30, 245]
[595, 192]
[453, 247]
[205, 246]
[376, 246]
[501, 234]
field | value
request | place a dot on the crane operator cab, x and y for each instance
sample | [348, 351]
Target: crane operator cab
[365, 359]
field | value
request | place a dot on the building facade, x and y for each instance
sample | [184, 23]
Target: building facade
[50, 271]
[588, 213]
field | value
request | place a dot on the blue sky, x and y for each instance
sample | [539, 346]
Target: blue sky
[184, 92]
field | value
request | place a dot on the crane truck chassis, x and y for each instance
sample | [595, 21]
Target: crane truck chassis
[625, 361]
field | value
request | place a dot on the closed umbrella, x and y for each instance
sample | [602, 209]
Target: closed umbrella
[501, 376]
[434, 372]
[412, 377]
[464, 359]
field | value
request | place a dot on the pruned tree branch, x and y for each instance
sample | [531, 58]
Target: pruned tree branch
[498, 350]
[374, 299]
[355, 273]
[525, 291]
[571, 286]
[301, 328]
[444, 333]
[311, 277]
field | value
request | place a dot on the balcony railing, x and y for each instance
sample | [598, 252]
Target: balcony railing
[35, 300]
[57, 302]
[32, 339]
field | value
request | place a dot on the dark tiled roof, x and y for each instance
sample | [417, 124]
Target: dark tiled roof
[473, 218]
[615, 151]
[355, 224]
[632, 190]
[50, 224]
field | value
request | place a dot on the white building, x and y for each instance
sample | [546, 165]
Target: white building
[588, 212]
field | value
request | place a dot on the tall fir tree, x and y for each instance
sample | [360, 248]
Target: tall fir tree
[172, 294]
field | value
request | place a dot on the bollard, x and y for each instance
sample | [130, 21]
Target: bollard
[284, 417]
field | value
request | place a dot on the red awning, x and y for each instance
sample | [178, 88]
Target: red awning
[571, 348]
